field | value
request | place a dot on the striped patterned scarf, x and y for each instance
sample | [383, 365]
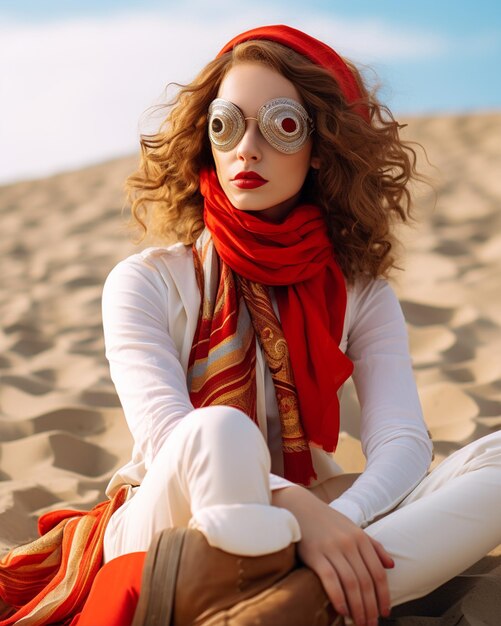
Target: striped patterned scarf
[222, 364]
[47, 581]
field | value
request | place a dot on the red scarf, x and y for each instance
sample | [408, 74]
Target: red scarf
[296, 258]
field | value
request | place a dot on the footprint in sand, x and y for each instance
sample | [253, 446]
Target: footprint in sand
[428, 343]
[47, 454]
[27, 346]
[421, 314]
[449, 412]
[79, 421]
[100, 398]
[22, 401]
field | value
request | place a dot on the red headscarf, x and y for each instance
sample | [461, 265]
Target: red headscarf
[314, 50]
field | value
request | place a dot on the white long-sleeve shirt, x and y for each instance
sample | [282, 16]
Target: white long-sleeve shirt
[151, 304]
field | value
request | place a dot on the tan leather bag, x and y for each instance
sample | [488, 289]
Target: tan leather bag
[186, 582]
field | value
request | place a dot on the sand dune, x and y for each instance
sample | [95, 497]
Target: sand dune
[61, 426]
[62, 432]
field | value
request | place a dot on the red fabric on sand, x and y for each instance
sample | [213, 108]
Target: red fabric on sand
[114, 594]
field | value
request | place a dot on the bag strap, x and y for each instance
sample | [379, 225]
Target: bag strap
[158, 586]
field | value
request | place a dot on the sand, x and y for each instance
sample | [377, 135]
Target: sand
[62, 430]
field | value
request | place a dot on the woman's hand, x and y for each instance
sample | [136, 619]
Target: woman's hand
[350, 564]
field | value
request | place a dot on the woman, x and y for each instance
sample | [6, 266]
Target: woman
[280, 177]
[274, 139]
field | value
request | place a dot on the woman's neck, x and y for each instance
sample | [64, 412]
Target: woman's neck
[277, 213]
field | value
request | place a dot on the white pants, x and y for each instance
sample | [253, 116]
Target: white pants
[213, 474]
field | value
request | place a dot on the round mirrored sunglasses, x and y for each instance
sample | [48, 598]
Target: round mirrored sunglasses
[283, 122]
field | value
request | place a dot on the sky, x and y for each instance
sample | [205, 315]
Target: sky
[79, 79]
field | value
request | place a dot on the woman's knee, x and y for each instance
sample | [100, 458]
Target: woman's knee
[224, 423]
[215, 432]
[492, 445]
[485, 452]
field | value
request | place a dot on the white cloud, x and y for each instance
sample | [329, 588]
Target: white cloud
[73, 92]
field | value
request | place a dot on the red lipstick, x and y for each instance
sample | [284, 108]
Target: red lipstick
[248, 180]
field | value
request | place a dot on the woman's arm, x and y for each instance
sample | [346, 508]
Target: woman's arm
[394, 437]
[144, 362]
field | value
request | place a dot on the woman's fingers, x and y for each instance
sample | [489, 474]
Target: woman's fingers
[384, 556]
[374, 562]
[351, 584]
[357, 588]
[331, 584]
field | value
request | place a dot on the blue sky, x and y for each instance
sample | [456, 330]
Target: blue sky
[76, 78]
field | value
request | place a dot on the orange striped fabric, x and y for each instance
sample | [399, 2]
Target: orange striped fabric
[221, 368]
[47, 581]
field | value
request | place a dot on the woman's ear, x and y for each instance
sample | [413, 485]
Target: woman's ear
[315, 162]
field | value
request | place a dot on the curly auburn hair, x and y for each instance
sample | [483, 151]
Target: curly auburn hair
[362, 183]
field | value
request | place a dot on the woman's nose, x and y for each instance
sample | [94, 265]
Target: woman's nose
[248, 149]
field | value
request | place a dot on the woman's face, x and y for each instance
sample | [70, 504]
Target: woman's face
[249, 86]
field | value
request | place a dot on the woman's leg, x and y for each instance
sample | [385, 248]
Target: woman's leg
[451, 520]
[212, 474]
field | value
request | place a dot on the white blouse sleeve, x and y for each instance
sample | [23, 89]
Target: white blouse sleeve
[394, 437]
[144, 362]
